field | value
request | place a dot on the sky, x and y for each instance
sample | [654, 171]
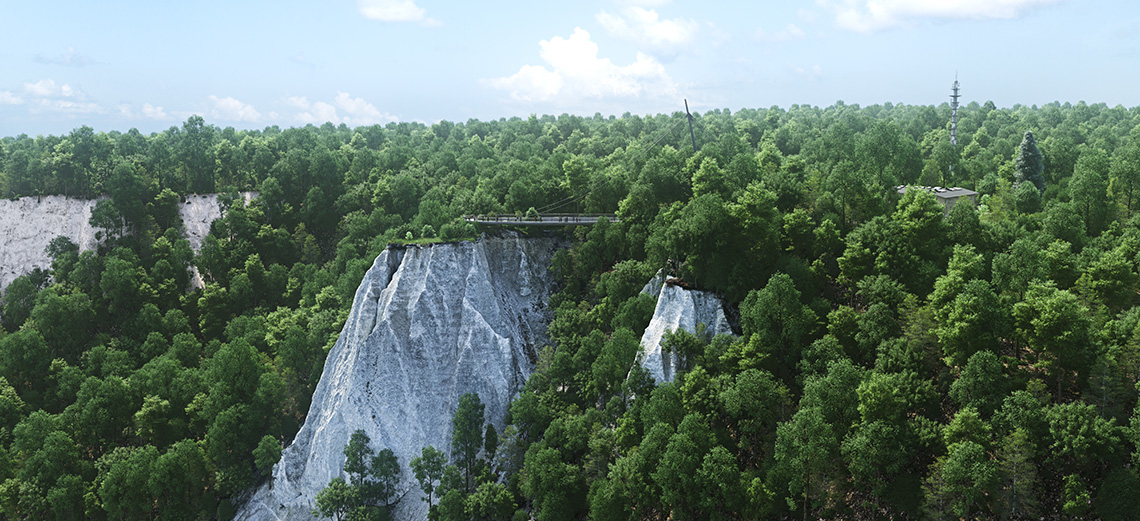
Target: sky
[120, 64]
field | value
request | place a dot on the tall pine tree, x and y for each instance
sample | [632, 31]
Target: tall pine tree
[1030, 163]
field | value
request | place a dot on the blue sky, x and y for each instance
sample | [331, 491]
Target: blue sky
[118, 64]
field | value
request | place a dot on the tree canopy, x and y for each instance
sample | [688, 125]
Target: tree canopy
[892, 362]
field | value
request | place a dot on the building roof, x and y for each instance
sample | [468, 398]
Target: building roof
[940, 192]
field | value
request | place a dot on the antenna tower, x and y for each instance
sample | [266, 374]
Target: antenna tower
[954, 112]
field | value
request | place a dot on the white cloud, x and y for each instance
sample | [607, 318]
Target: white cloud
[360, 112]
[395, 11]
[791, 32]
[148, 111]
[153, 112]
[300, 102]
[531, 83]
[874, 15]
[46, 94]
[343, 109]
[71, 58]
[316, 113]
[645, 29]
[48, 88]
[74, 107]
[576, 71]
[7, 98]
[230, 109]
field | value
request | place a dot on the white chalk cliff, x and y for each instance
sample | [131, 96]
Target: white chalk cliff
[199, 211]
[677, 308]
[428, 324]
[28, 224]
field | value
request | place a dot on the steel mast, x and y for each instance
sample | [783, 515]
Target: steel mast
[954, 111]
[690, 117]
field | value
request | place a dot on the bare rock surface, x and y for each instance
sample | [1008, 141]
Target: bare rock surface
[677, 308]
[28, 224]
[199, 211]
[428, 324]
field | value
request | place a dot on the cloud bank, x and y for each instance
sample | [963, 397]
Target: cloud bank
[343, 109]
[576, 72]
[648, 31]
[230, 109]
[47, 95]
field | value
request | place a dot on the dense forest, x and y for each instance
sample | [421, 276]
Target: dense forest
[892, 361]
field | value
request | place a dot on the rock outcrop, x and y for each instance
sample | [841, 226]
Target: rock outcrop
[677, 308]
[199, 211]
[428, 324]
[28, 224]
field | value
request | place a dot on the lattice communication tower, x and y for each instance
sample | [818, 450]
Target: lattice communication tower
[954, 112]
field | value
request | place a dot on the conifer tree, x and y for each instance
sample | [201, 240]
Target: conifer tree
[1030, 163]
[1017, 496]
[467, 436]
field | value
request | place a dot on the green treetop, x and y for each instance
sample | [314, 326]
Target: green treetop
[1030, 163]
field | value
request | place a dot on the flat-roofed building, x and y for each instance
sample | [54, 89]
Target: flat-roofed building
[948, 197]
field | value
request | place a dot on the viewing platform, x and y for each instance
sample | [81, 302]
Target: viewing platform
[546, 219]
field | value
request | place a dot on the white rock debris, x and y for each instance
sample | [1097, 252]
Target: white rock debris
[428, 324]
[677, 308]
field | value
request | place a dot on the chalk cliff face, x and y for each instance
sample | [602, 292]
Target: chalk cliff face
[677, 308]
[427, 324]
[199, 211]
[28, 224]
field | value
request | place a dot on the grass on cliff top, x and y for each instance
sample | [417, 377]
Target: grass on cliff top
[433, 240]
